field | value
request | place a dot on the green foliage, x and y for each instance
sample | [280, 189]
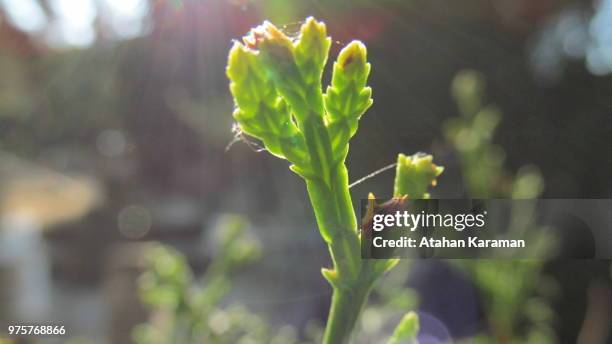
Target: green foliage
[509, 287]
[276, 84]
[188, 311]
[472, 136]
[472, 133]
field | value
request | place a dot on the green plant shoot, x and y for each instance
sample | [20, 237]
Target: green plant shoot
[276, 84]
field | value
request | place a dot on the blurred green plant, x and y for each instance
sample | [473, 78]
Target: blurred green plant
[184, 310]
[276, 85]
[391, 299]
[510, 287]
[482, 161]
[406, 330]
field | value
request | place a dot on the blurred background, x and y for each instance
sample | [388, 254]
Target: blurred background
[115, 117]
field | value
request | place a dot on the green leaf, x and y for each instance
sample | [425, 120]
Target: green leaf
[407, 330]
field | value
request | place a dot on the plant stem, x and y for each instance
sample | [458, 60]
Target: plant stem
[336, 220]
[331, 201]
[346, 306]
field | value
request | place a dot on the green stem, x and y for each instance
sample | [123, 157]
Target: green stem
[346, 307]
[336, 221]
[331, 201]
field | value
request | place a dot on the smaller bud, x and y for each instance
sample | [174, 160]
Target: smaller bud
[275, 56]
[348, 98]
[351, 66]
[272, 48]
[276, 48]
[414, 175]
[311, 50]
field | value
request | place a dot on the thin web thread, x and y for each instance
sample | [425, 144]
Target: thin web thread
[372, 175]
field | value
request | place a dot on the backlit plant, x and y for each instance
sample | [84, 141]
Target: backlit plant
[276, 84]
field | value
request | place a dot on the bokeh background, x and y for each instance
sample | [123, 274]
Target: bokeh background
[115, 119]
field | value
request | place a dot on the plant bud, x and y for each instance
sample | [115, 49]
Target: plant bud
[311, 50]
[414, 175]
[351, 66]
